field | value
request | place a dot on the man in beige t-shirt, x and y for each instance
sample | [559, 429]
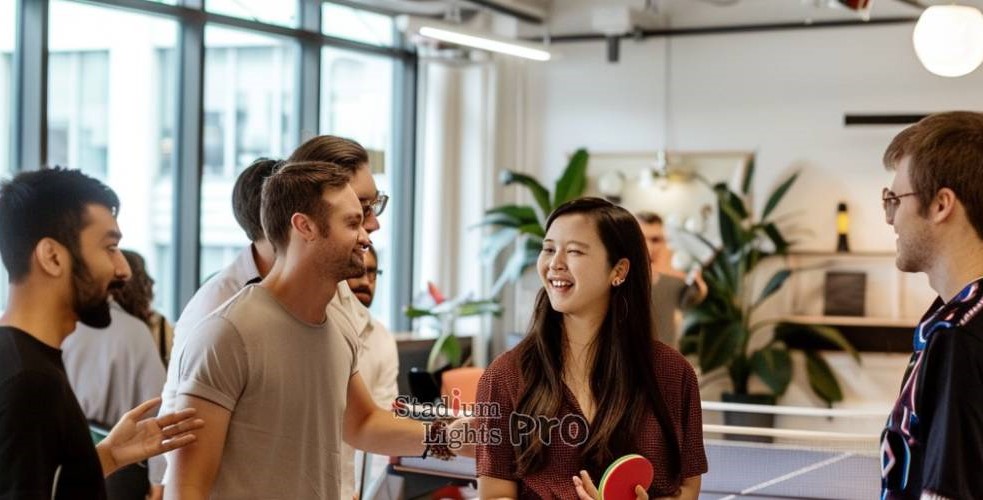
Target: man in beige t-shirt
[275, 376]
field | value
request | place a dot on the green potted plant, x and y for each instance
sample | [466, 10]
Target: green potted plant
[523, 226]
[445, 313]
[719, 330]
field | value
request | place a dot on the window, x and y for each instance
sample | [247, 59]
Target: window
[249, 113]
[111, 94]
[357, 102]
[7, 29]
[358, 25]
[276, 12]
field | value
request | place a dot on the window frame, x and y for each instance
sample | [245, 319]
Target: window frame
[29, 88]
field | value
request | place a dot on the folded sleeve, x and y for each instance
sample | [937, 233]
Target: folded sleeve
[214, 364]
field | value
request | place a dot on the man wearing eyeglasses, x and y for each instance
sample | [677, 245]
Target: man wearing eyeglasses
[932, 445]
[255, 261]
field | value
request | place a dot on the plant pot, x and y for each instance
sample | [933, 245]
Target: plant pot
[745, 419]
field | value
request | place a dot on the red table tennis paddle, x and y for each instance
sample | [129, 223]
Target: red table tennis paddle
[619, 481]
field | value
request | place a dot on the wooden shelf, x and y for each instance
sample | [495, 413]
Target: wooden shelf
[853, 321]
[879, 254]
[867, 334]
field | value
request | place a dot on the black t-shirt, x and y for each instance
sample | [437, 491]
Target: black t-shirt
[45, 445]
[950, 400]
[934, 438]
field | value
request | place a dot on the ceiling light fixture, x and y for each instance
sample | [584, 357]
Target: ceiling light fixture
[460, 35]
[948, 39]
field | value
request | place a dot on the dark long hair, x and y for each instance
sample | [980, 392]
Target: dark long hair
[622, 379]
[136, 296]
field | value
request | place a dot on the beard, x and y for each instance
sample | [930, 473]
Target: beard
[352, 268]
[91, 302]
[914, 253]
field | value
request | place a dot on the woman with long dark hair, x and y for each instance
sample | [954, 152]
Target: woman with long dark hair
[588, 384]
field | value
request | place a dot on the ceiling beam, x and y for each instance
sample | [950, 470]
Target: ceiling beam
[720, 30]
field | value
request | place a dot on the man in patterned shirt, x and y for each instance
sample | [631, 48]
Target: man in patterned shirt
[932, 445]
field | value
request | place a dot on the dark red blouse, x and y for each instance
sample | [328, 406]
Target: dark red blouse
[501, 384]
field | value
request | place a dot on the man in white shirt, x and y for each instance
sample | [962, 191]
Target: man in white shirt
[378, 361]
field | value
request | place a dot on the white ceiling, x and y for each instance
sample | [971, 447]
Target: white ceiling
[574, 16]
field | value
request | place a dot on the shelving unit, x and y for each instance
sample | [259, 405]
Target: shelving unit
[893, 301]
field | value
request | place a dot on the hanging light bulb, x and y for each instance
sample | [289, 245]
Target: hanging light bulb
[948, 39]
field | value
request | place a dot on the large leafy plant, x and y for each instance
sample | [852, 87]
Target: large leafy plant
[720, 329]
[522, 227]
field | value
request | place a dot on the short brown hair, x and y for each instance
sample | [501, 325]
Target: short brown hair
[246, 196]
[343, 152]
[297, 188]
[945, 150]
[648, 217]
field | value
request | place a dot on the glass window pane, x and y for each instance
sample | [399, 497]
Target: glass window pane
[357, 102]
[282, 12]
[249, 113]
[356, 24]
[7, 29]
[111, 94]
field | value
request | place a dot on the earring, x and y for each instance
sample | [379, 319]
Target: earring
[617, 281]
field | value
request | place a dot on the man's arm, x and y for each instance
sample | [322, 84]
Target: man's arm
[370, 428]
[192, 470]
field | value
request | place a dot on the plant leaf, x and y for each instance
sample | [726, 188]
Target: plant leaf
[495, 242]
[539, 192]
[522, 214]
[829, 335]
[573, 182]
[781, 245]
[773, 365]
[777, 195]
[774, 284]
[448, 345]
[414, 312]
[525, 254]
[502, 220]
[533, 229]
[719, 343]
[748, 176]
[476, 307]
[822, 380]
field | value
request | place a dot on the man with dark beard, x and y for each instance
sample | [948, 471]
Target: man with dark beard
[932, 445]
[59, 243]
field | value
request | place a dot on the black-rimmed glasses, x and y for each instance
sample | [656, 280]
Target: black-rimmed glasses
[891, 201]
[377, 206]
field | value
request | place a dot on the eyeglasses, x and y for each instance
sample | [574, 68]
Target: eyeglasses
[891, 201]
[376, 206]
[373, 273]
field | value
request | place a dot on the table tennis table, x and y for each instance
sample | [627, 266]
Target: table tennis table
[771, 471]
[741, 470]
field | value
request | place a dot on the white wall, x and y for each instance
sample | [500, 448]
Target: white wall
[781, 94]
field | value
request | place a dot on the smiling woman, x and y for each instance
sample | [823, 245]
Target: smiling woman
[588, 350]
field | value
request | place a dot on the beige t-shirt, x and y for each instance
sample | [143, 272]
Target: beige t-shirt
[285, 382]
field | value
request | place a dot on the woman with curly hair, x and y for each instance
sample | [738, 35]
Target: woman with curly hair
[136, 298]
